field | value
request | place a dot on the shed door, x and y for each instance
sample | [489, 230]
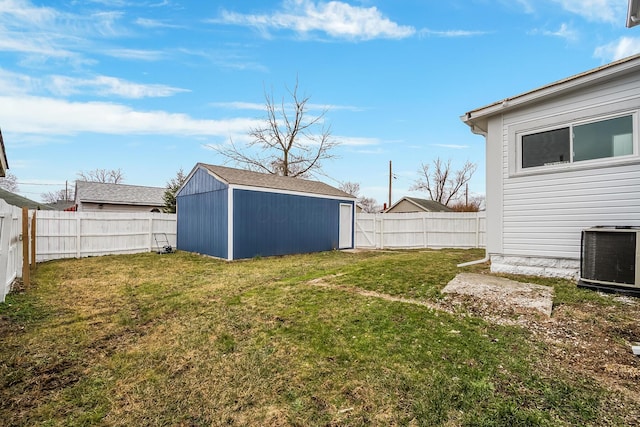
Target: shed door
[346, 226]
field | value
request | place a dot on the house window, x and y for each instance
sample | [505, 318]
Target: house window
[546, 148]
[607, 138]
[578, 142]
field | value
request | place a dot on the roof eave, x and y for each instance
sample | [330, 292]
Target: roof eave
[477, 119]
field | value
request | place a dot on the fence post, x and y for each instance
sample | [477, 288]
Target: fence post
[150, 233]
[5, 238]
[25, 247]
[78, 235]
[425, 237]
[477, 229]
[33, 240]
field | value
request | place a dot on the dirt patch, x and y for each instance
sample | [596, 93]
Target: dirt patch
[507, 292]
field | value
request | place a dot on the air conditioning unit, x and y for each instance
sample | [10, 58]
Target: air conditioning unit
[610, 259]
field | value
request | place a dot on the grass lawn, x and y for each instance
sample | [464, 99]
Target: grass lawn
[181, 339]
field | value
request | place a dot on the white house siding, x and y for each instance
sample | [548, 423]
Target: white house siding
[109, 207]
[543, 212]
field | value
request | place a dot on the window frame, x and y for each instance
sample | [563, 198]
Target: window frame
[571, 164]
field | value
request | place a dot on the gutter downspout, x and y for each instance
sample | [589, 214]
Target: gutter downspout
[478, 261]
[478, 131]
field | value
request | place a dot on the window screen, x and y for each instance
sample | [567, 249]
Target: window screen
[546, 148]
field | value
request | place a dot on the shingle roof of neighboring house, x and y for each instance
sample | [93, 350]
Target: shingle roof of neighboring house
[21, 202]
[424, 204]
[61, 205]
[122, 194]
[256, 179]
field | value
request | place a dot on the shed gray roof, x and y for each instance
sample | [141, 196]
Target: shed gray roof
[427, 205]
[256, 179]
[99, 192]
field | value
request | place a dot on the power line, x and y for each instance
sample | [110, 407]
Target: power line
[37, 183]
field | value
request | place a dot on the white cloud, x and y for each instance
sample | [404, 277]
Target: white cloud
[48, 116]
[137, 54]
[48, 33]
[452, 33]
[335, 18]
[14, 83]
[596, 10]
[356, 141]
[239, 105]
[454, 146]
[154, 23]
[621, 48]
[564, 32]
[107, 86]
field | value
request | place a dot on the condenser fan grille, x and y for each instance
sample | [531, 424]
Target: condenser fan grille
[609, 256]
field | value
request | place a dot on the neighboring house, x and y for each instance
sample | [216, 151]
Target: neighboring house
[560, 159]
[21, 202]
[233, 214]
[413, 204]
[4, 164]
[99, 196]
[62, 205]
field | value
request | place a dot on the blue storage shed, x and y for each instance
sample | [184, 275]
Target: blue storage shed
[234, 214]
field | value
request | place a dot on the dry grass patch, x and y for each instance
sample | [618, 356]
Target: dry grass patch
[186, 340]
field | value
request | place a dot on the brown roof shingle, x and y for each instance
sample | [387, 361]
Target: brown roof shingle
[256, 179]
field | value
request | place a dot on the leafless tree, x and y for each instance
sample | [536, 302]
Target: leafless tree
[112, 176]
[352, 188]
[54, 196]
[9, 182]
[368, 204]
[441, 183]
[290, 143]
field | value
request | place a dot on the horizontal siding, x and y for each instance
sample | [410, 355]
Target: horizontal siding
[107, 207]
[544, 214]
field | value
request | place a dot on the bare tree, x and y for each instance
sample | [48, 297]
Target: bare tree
[352, 188]
[442, 183]
[54, 196]
[170, 193]
[9, 182]
[368, 204]
[112, 176]
[290, 143]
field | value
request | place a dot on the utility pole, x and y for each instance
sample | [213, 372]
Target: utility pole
[466, 195]
[390, 178]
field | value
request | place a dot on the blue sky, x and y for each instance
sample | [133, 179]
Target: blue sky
[148, 86]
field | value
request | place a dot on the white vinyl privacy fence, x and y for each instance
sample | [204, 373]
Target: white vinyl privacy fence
[83, 234]
[421, 230]
[10, 246]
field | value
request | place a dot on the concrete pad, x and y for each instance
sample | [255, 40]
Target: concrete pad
[503, 291]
